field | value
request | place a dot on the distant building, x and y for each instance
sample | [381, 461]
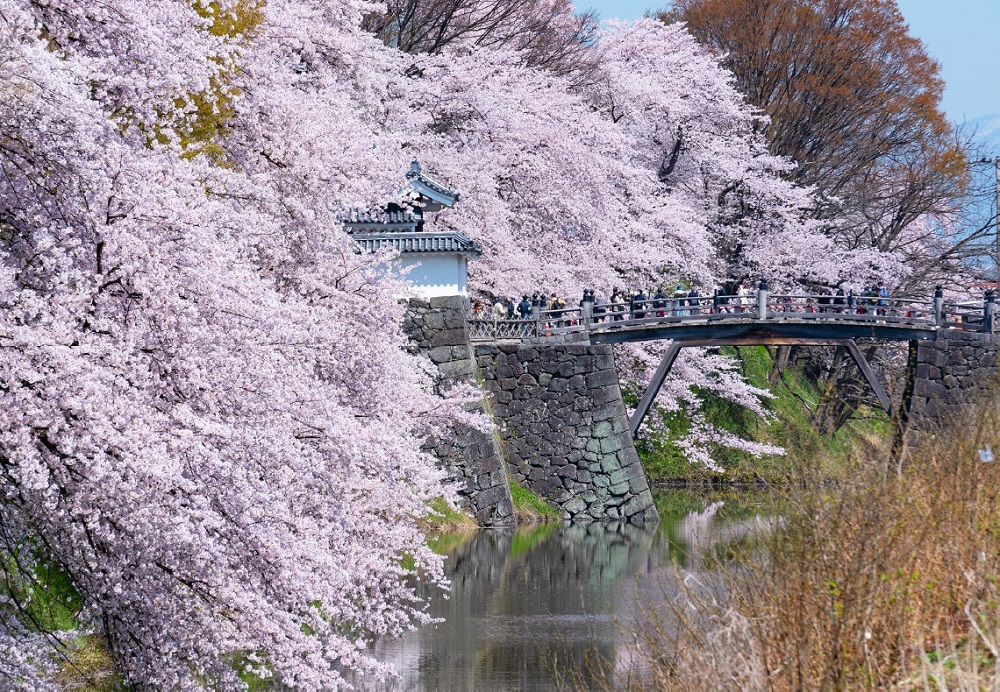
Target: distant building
[439, 259]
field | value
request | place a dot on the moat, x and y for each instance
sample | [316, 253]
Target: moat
[554, 604]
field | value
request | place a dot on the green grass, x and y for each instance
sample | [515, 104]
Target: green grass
[50, 601]
[529, 506]
[443, 517]
[89, 667]
[791, 428]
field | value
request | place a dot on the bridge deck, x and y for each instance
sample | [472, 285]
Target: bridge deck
[772, 320]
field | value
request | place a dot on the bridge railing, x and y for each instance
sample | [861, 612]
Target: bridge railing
[855, 308]
[487, 329]
[597, 317]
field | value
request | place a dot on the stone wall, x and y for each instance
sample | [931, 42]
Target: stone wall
[564, 429]
[947, 373]
[437, 329]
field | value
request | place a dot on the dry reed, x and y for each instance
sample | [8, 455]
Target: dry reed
[884, 579]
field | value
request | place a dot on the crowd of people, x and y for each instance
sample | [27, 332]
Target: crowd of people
[681, 302]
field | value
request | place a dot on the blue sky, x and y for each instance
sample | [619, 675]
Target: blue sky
[962, 35]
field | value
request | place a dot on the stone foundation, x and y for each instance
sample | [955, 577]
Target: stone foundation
[437, 329]
[947, 373]
[564, 430]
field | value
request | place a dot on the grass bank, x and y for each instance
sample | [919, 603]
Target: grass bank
[887, 579]
[530, 508]
[791, 428]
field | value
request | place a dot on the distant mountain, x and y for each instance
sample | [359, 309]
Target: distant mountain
[987, 129]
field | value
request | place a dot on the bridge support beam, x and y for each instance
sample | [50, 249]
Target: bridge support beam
[666, 363]
[670, 355]
[866, 370]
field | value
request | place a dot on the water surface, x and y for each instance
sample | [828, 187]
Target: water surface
[529, 607]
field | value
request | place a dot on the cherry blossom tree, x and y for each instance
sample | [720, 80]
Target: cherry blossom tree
[208, 419]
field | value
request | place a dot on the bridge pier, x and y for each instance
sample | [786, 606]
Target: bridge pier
[947, 373]
[437, 329]
[564, 430]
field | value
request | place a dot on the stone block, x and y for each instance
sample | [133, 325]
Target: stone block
[604, 413]
[434, 320]
[575, 506]
[604, 361]
[454, 320]
[602, 378]
[448, 337]
[619, 489]
[610, 444]
[602, 429]
[457, 368]
[493, 496]
[611, 464]
[638, 484]
[440, 354]
[639, 503]
[619, 476]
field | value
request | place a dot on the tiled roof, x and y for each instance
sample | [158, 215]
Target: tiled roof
[430, 188]
[427, 241]
[394, 220]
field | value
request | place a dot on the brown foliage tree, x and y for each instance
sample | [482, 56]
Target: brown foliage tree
[855, 101]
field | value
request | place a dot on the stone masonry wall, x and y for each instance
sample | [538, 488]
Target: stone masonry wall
[437, 329]
[948, 372]
[564, 431]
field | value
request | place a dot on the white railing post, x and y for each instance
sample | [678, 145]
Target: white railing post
[938, 306]
[587, 308]
[762, 290]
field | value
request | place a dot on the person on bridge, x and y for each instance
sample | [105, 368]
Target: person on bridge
[524, 308]
[823, 301]
[839, 299]
[617, 298]
[499, 309]
[660, 302]
[694, 301]
[743, 299]
[679, 300]
[600, 308]
[638, 305]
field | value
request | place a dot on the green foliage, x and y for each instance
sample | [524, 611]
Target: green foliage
[529, 506]
[790, 428]
[207, 114]
[448, 541]
[49, 602]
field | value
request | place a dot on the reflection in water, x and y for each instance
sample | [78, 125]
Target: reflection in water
[520, 601]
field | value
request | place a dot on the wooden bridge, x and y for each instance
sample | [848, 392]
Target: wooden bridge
[742, 320]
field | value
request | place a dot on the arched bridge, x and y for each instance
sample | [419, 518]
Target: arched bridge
[740, 320]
